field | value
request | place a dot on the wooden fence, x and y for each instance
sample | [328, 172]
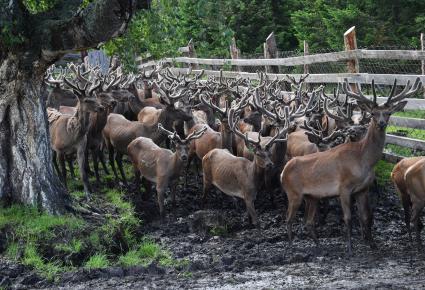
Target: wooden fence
[234, 68]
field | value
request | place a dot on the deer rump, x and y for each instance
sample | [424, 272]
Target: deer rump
[226, 172]
[152, 160]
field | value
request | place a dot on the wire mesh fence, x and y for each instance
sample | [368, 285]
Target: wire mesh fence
[369, 66]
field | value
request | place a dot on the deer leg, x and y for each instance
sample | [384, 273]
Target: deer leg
[205, 190]
[71, 165]
[251, 212]
[311, 218]
[63, 168]
[406, 202]
[87, 166]
[112, 162]
[160, 196]
[118, 158]
[81, 153]
[102, 160]
[294, 202]
[346, 209]
[362, 200]
[55, 163]
[96, 165]
[415, 221]
[148, 189]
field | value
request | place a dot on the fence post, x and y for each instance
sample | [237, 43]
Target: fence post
[423, 61]
[306, 66]
[192, 53]
[350, 43]
[234, 51]
[270, 51]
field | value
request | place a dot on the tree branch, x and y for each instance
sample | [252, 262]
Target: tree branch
[97, 23]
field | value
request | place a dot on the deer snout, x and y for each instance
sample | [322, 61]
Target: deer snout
[184, 157]
[382, 124]
[100, 109]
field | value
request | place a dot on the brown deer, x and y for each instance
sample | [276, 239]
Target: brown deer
[68, 133]
[59, 96]
[160, 165]
[237, 176]
[408, 177]
[119, 131]
[344, 171]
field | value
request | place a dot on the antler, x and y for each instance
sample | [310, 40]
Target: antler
[215, 108]
[233, 127]
[172, 135]
[280, 132]
[341, 116]
[196, 134]
[359, 96]
[407, 91]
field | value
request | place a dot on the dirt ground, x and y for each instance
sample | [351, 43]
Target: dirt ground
[224, 252]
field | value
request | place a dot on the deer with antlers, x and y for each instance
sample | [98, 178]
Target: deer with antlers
[238, 176]
[68, 134]
[408, 177]
[58, 96]
[344, 171]
[158, 165]
[119, 131]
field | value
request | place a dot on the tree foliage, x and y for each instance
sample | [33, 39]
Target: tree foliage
[211, 24]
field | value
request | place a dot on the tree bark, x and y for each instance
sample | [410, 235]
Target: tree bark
[26, 169]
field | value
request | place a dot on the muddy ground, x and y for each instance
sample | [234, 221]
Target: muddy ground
[226, 253]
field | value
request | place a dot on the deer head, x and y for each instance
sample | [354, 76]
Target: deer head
[381, 113]
[182, 145]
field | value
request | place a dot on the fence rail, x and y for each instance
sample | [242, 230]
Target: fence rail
[341, 61]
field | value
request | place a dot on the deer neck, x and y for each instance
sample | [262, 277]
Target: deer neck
[226, 136]
[372, 144]
[82, 119]
[167, 123]
[211, 119]
[177, 164]
[147, 92]
[188, 125]
[279, 153]
[257, 172]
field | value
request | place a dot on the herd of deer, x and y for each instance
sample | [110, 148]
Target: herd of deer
[249, 135]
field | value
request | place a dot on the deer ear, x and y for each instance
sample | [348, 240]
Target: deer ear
[398, 107]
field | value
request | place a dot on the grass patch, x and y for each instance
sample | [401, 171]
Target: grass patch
[219, 231]
[408, 132]
[54, 244]
[402, 151]
[383, 171]
[420, 114]
[97, 261]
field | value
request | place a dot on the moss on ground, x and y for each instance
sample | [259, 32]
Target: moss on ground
[54, 244]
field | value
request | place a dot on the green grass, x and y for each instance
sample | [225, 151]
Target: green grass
[420, 114]
[146, 253]
[402, 151]
[97, 261]
[54, 244]
[410, 132]
[383, 172]
[218, 231]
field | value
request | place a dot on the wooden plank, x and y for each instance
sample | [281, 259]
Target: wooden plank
[407, 122]
[362, 78]
[306, 67]
[270, 51]
[234, 51]
[310, 59]
[405, 142]
[350, 43]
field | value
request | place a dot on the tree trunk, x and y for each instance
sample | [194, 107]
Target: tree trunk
[26, 170]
